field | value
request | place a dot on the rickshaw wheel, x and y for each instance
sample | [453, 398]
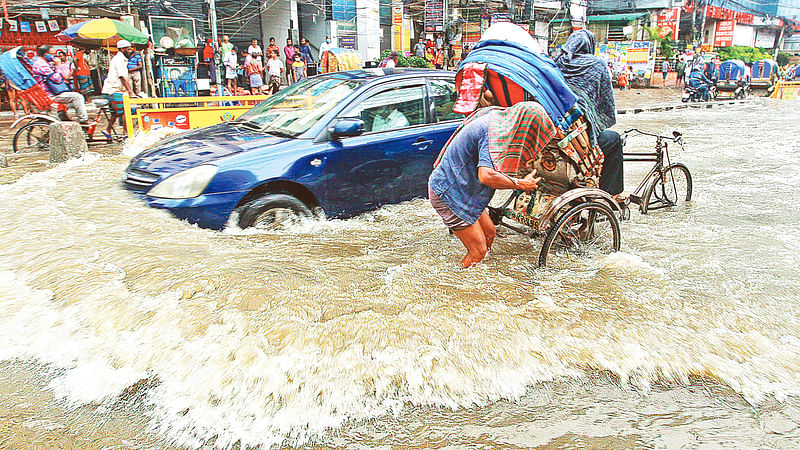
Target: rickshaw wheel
[585, 230]
[672, 187]
[32, 137]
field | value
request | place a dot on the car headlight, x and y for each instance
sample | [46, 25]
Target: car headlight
[187, 184]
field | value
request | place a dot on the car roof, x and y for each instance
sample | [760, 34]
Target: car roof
[367, 75]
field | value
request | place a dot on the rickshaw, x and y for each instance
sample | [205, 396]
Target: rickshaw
[765, 75]
[733, 79]
[568, 210]
[33, 130]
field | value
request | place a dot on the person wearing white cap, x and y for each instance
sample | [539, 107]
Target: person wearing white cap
[116, 81]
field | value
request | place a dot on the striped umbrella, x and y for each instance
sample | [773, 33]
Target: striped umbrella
[102, 32]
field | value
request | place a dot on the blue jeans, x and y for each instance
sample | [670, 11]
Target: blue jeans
[701, 87]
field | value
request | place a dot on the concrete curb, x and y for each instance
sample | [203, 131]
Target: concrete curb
[696, 105]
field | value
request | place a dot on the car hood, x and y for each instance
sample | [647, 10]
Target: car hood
[201, 146]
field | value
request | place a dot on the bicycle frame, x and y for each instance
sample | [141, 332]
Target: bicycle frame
[658, 157]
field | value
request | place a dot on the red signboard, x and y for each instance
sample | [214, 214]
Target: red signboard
[668, 21]
[723, 36]
[718, 12]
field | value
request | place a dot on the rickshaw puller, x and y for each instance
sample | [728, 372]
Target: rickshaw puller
[464, 178]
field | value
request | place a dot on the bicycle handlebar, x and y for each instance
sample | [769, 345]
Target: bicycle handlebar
[676, 136]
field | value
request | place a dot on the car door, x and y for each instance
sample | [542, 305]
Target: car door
[376, 167]
[444, 122]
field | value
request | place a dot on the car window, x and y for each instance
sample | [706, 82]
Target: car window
[391, 109]
[296, 109]
[444, 97]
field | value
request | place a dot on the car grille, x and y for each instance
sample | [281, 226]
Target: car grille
[139, 180]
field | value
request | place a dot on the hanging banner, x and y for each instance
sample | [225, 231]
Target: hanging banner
[41, 27]
[53, 24]
[24, 27]
[669, 22]
[638, 53]
[723, 36]
[397, 15]
[434, 15]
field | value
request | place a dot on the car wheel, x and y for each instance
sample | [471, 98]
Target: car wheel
[272, 212]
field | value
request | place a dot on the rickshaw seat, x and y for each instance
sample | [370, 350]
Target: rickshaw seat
[37, 96]
[100, 102]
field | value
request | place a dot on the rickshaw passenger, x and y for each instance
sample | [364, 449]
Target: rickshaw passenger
[53, 83]
[590, 80]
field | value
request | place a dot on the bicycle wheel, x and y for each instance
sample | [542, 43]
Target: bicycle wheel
[586, 230]
[33, 137]
[672, 187]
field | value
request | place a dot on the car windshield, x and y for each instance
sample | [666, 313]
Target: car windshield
[292, 111]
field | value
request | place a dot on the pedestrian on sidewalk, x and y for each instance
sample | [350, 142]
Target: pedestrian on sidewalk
[664, 72]
[298, 69]
[11, 91]
[254, 69]
[324, 47]
[116, 83]
[272, 48]
[231, 63]
[288, 52]
[307, 57]
[83, 72]
[208, 60]
[254, 50]
[680, 69]
[274, 69]
[135, 71]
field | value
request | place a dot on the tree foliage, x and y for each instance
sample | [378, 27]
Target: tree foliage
[746, 54]
[664, 42]
[406, 61]
[782, 59]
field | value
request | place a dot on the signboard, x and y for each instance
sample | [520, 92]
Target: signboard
[472, 32]
[500, 17]
[397, 15]
[669, 22]
[434, 15]
[638, 53]
[347, 42]
[723, 36]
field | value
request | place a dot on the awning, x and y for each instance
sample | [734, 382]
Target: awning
[616, 17]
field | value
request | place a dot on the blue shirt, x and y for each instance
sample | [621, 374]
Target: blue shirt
[134, 61]
[455, 179]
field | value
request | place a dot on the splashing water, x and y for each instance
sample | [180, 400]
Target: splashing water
[282, 338]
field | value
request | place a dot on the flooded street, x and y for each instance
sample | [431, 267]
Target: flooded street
[122, 327]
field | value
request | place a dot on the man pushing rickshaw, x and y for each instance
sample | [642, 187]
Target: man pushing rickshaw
[538, 127]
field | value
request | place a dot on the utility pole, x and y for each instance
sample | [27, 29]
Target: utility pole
[212, 17]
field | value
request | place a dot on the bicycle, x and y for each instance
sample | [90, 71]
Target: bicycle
[34, 133]
[663, 186]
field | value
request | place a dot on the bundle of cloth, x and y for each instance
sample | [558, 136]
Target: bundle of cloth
[573, 89]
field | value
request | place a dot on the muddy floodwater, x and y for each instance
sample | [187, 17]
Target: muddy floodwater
[122, 327]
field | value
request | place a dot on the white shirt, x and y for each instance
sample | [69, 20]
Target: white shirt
[390, 64]
[324, 47]
[230, 62]
[117, 67]
[255, 51]
[395, 120]
[274, 66]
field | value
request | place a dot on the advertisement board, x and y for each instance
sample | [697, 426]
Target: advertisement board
[434, 15]
[723, 36]
[669, 22]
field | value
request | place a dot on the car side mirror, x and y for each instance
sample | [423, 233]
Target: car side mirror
[348, 126]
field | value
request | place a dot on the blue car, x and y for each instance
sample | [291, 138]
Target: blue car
[335, 145]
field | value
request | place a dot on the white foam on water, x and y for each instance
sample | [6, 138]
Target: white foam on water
[142, 139]
[281, 337]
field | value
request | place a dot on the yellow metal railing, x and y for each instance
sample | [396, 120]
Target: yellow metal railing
[173, 112]
[786, 90]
